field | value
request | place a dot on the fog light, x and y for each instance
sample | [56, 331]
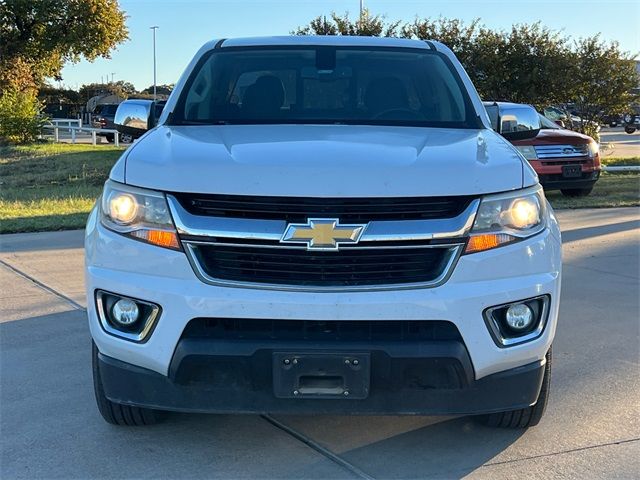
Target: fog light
[125, 312]
[517, 322]
[124, 317]
[519, 317]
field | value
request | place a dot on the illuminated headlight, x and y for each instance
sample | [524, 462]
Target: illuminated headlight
[527, 151]
[123, 208]
[506, 218]
[138, 213]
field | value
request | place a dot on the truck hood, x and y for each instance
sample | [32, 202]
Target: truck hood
[323, 161]
[552, 136]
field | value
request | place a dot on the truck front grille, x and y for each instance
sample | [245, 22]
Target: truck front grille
[349, 267]
[298, 209]
[544, 152]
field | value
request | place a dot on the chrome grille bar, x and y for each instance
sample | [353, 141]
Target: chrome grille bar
[376, 231]
[561, 151]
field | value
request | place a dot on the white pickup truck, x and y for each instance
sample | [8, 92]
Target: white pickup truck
[323, 225]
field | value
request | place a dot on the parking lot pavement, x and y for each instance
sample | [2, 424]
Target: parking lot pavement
[50, 427]
[615, 143]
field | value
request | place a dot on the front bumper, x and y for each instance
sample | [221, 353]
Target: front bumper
[551, 178]
[557, 182]
[522, 270]
[508, 390]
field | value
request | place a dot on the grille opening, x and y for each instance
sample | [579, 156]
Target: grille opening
[298, 209]
[348, 267]
[320, 330]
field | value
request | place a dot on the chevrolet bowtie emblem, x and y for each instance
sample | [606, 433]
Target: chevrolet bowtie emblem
[322, 233]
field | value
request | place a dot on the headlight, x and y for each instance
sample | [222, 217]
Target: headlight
[138, 213]
[506, 218]
[527, 151]
[594, 149]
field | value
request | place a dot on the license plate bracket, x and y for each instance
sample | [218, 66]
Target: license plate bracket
[321, 375]
[571, 171]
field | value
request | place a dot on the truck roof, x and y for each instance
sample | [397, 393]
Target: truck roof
[331, 40]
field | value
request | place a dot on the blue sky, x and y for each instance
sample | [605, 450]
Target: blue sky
[186, 24]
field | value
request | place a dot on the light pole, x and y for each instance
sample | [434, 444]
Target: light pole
[361, 9]
[154, 28]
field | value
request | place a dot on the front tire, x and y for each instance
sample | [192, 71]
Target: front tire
[629, 129]
[524, 417]
[576, 192]
[115, 413]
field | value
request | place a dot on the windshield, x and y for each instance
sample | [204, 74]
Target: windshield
[548, 124]
[311, 84]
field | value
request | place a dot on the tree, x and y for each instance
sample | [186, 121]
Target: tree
[366, 25]
[160, 89]
[120, 88]
[20, 119]
[51, 94]
[534, 66]
[37, 37]
[603, 78]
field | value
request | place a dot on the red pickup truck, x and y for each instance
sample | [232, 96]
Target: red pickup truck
[564, 160]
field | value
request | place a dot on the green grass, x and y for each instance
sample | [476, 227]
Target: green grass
[54, 186]
[51, 186]
[611, 190]
[619, 162]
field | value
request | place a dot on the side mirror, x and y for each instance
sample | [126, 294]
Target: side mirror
[560, 123]
[135, 117]
[519, 122]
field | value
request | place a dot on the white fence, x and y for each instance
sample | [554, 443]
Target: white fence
[69, 122]
[57, 127]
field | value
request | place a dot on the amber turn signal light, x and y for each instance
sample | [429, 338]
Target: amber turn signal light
[161, 238]
[479, 243]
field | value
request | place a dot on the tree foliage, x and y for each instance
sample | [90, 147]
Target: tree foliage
[367, 25]
[527, 64]
[602, 80]
[120, 88]
[165, 89]
[20, 119]
[49, 94]
[37, 37]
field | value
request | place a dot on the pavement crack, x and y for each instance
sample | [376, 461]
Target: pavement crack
[562, 452]
[42, 286]
[318, 448]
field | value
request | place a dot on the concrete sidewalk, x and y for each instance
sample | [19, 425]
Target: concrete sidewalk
[51, 428]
